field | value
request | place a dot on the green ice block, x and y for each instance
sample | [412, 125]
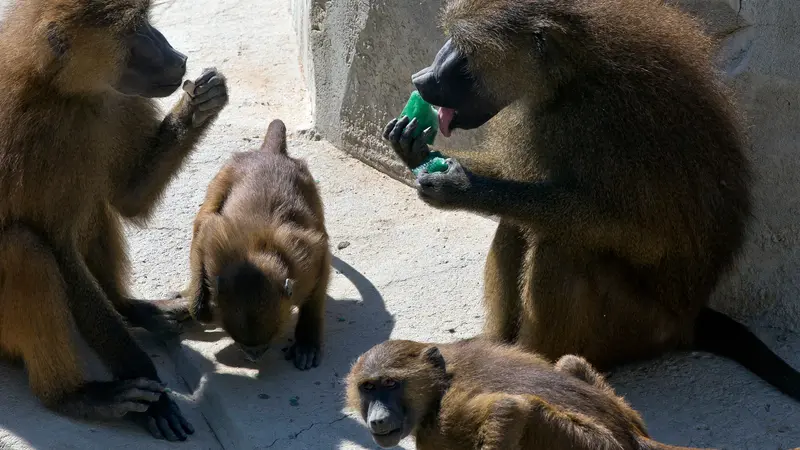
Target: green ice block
[434, 163]
[425, 114]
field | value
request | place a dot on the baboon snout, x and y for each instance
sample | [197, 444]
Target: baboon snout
[381, 420]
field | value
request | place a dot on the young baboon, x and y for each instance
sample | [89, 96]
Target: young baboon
[474, 394]
[82, 147]
[259, 248]
[614, 160]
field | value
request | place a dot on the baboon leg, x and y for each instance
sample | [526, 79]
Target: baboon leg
[501, 283]
[108, 261]
[306, 351]
[550, 426]
[505, 422]
[586, 304]
[36, 324]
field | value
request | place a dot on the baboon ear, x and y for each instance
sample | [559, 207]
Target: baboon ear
[57, 39]
[434, 356]
[288, 287]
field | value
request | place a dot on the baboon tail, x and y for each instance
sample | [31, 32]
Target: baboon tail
[719, 334]
[275, 140]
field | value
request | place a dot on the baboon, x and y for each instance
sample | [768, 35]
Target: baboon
[82, 147]
[259, 248]
[474, 394]
[614, 161]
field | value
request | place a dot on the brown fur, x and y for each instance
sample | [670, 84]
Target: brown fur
[638, 191]
[75, 158]
[262, 222]
[497, 397]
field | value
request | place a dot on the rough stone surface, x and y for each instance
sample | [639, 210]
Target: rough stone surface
[358, 56]
[357, 62]
[409, 272]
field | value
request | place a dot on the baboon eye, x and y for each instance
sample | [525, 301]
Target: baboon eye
[368, 386]
[389, 383]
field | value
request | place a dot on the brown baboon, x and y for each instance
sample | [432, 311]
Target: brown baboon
[259, 248]
[614, 160]
[474, 394]
[81, 148]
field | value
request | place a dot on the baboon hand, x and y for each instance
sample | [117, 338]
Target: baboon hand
[412, 150]
[446, 190]
[164, 420]
[113, 399]
[304, 356]
[205, 96]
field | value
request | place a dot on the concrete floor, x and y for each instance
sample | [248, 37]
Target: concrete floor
[402, 270]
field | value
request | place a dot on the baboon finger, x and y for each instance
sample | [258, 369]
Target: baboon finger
[187, 427]
[147, 384]
[301, 360]
[205, 75]
[394, 136]
[208, 94]
[140, 395]
[216, 100]
[388, 128]
[426, 134]
[408, 134]
[215, 81]
[166, 431]
[176, 427]
[152, 426]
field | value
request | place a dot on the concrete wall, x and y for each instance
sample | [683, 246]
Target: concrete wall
[358, 56]
[357, 60]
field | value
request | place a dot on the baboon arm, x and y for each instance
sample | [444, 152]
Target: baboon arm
[542, 425]
[480, 162]
[100, 325]
[148, 176]
[549, 207]
[216, 194]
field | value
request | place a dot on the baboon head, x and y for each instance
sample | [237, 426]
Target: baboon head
[96, 45]
[394, 386]
[497, 52]
[249, 290]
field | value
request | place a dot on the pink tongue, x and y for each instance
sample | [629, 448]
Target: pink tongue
[445, 117]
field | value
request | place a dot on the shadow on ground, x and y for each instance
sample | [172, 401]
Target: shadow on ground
[26, 424]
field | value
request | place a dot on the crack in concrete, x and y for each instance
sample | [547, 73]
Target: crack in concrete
[303, 430]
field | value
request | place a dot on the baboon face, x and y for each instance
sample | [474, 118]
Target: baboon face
[393, 385]
[152, 68]
[497, 52]
[252, 307]
[460, 94]
[111, 44]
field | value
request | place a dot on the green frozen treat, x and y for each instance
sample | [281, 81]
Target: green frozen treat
[425, 114]
[437, 164]
[434, 163]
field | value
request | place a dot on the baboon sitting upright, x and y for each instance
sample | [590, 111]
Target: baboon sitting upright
[614, 159]
[82, 146]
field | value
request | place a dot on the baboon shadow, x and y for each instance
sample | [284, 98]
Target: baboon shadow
[282, 397]
[25, 421]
